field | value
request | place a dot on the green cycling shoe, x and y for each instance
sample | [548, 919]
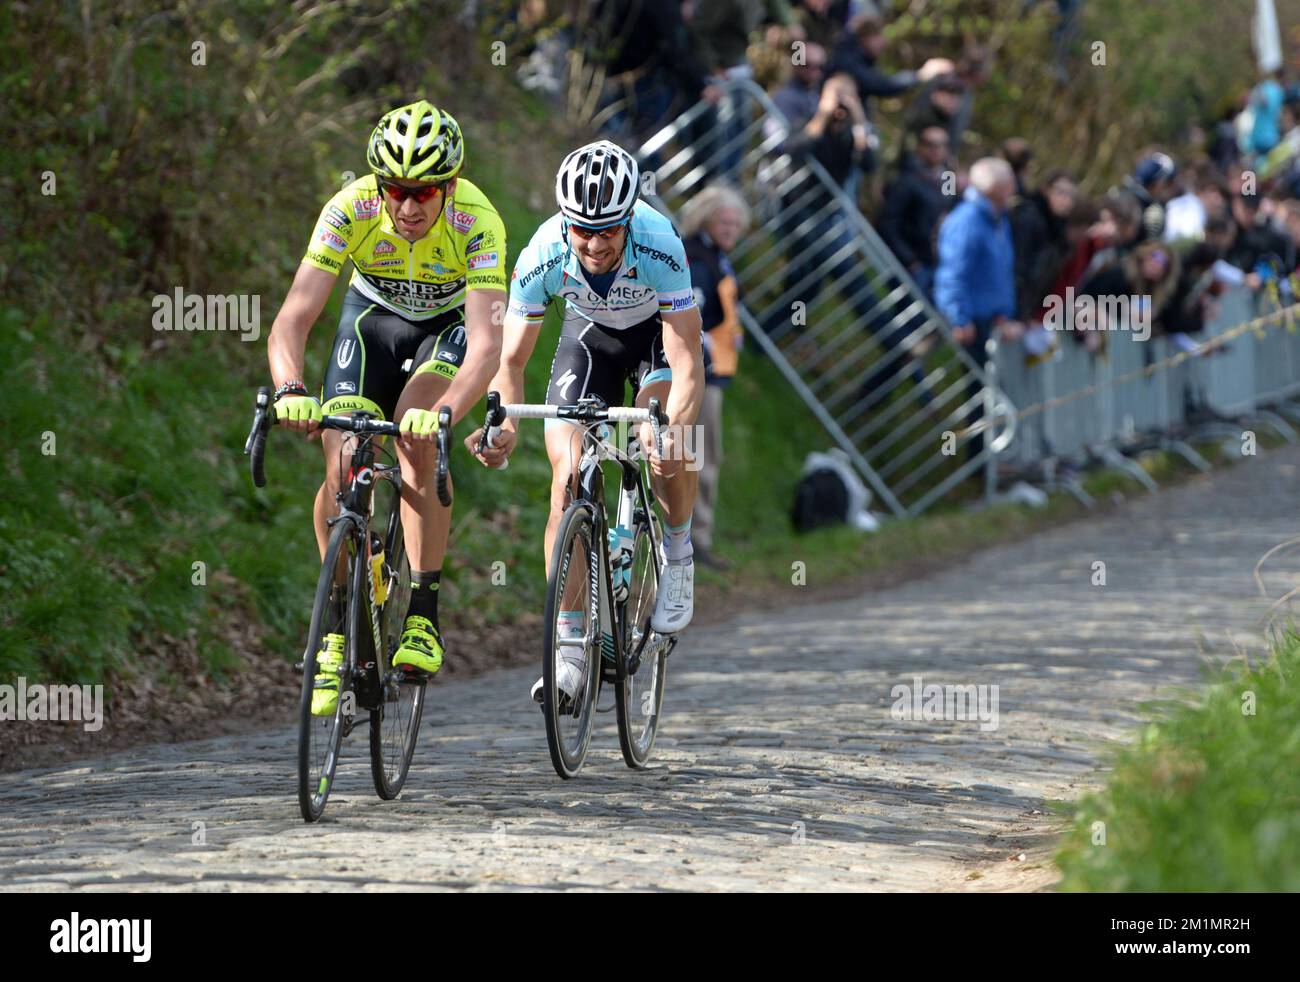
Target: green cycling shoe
[421, 645]
[325, 690]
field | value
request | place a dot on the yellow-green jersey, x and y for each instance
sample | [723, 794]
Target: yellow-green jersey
[464, 250]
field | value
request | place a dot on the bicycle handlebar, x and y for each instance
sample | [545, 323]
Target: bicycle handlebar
[586, 411]
[264, 419]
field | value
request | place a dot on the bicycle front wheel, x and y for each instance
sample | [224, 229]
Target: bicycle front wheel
[321, 734]
[572, 586]
[640, 692]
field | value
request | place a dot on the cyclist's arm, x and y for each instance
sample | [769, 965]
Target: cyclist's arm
[287, 342]
[484, 309]
[520, 338]
[683, 351]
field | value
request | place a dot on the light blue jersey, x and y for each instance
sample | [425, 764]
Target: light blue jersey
[653, 277]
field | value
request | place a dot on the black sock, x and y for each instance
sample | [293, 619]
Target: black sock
[424, 594]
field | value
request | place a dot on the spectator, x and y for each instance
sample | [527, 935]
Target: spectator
[974, 69]
[798, 98]
[938, 105]
[975, 283]
[1038, 231]
[1195, 299]
[712, 223]
[1258, 244]
[858, 49]
[914, 204]
[955, 105]
[1081, 246]
[814, 225]
[1291, 221]
[822, 20]
[1287, 149]
[1151, 184]
[1223, 147]
[1116, 233]
[837, 134]
[721, 31]
[648, 63]
[1185, 215]
[1266, 101]
[1018, 152]
[1149, 273]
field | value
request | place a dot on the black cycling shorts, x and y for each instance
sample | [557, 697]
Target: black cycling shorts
[376, 352]
[595, 360]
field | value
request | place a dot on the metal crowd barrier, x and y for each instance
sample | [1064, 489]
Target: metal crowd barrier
[831, 306]
[1135, 395]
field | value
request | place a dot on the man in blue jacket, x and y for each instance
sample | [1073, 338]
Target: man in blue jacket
[975, 283]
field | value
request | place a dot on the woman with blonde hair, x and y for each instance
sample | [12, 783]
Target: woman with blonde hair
[711, 224]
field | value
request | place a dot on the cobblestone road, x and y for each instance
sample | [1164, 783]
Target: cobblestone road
[780, 765]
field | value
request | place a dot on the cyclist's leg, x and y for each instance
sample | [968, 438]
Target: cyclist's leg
[582, 366]
[674, 601]
[363, 374]
[676, 493]
[425, 521]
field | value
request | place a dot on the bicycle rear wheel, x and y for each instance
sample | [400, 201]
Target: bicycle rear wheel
[640, 692]
[395, 724]
[572, 585]
[319, 737]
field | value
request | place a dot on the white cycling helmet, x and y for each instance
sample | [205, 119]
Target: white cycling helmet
[597, 185]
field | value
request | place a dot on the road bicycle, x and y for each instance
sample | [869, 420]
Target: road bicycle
[611, 574]
[361, 595]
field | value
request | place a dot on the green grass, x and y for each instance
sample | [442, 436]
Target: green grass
[1208, 796]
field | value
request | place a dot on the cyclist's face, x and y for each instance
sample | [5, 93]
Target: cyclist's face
[413, 218]
[598, 253]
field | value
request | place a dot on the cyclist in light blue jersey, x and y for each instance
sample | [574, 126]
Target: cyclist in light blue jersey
[630, 315]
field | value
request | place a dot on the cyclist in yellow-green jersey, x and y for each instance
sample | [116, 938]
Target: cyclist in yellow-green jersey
[421, 328]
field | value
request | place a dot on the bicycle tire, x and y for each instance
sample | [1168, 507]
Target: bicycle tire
[577, 531]
[639, 696]
[394, 730]
[319, 737]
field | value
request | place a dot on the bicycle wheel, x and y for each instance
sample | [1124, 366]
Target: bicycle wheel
[395, 724]
[572, 585]
[640, 691]
[319, 737]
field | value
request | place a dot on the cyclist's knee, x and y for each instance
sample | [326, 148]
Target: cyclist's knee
[331, 447]
[561, 491]
[417, 457]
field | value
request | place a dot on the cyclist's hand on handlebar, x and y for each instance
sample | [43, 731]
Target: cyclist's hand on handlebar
[495, 456]
[300, 413]
[419, 424]
[671, 461]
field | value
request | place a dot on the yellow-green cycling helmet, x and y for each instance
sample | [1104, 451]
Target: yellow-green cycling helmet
[418, 142]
